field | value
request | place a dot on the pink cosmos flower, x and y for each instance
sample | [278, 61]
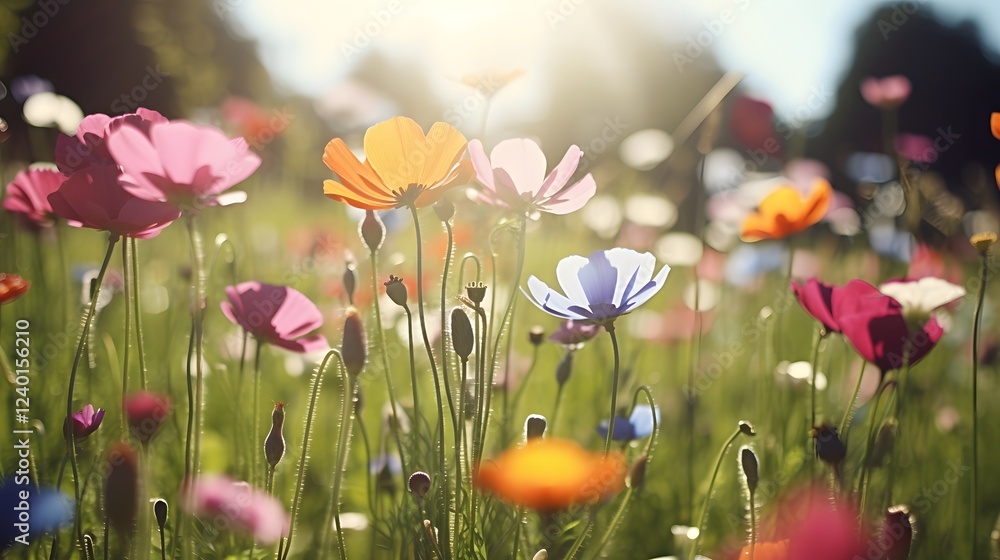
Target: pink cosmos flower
[817, 299]
[886, 93]
[28, 197]
[279, 315]
[82, 424]
[89, 148]
[875, 325]
[181, 163]
[146, 411]
[513, 177]
[93, 198]
[231, 503]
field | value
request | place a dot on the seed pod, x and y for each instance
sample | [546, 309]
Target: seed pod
[160, 512]
[476, 292]
[637, 472]
[746, 428]
[372, 231]
[350, 280]
[897, 532]
[983, 241]
[121, 489]
[536, 335]
[419, 484]
[462, 337]
[444, 209]
[541, 555]
[565, 368]
[396, 290]
[751, 468]
[829, 447]
[274, 443]
[534, 426]
[354, 348]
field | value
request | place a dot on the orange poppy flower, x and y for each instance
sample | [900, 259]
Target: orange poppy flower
[784, 212]
[12, 287]
[403, 167]
[551, 475]
[995, 125]
[767, 551]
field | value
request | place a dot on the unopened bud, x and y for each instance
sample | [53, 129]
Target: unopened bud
[420, 484]
[897, 531]
[746, 428]
[121, 489]
[476, 292]
[350, 280]
[983, 241]
[274, 443]
[829, 447]
[536, 335]
[751, 468]
[160, 512]
[354, 349]
[541, 555]
[637, 472]
[396, 290]
[534, 426]
[462, 337]
[565, 368]
[372, 231]
[444, 209]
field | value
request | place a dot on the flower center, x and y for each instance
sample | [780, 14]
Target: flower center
[408, 195]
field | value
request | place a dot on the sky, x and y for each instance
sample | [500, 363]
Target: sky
[789, 49]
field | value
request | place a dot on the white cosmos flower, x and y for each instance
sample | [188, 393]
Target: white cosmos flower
[922, 297]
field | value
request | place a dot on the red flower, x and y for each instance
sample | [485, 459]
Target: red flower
[146, 411]
[12, 287]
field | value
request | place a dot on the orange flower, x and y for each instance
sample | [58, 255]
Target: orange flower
[403, 167]
[767, 551]
[784, 212]
[995, 125]
[12, 287]
[551, 475]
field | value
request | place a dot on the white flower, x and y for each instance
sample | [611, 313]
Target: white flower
[922, 297]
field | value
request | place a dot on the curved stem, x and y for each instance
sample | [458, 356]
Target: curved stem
[343, 444]
[384, 355]
[84, 334]
[869, 445]
[708, 496]
[137, 309]
[444, 339]
[317, 384]
[610, 327]
[976, 326]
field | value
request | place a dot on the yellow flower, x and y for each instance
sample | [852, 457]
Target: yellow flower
[403, 167]
[784, 212]
[551, 475]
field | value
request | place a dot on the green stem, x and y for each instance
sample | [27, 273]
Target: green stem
[317, 384]
[753, 525]
[444, 348]
[610, 327]
[343, 443]
[976, 326]
[255, 410]
[413, 381]
[863, 480]
[128, 332]
[811, 442]
[514, 402]
[708, 495]
[137, 309]
[197, 317]
[849, 413]
[112, 240]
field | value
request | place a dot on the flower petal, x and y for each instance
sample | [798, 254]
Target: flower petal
[523, 161]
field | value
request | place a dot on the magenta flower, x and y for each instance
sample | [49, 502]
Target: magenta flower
[886, 93]
[93, 198]
[916, 148]
[28, 197]
[513, 178]
[817, 299]
[574, 333]
[225, 502]
[82, 424]
[279, 315]
[145, 412]
[181, 163]
[875, 325]
[88, 148]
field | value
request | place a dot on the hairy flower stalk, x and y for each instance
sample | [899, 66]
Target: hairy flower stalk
[982, 242]
[745, 429]
[274, 444]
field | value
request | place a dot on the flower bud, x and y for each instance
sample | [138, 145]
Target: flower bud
[897, 532]
[419, 484]
[274, 443]
[372, 231]
[12, 287]
[536, 335]
[746, 428]
[829, 447]
[146, 411]
[534, 426]
[462, 337]
[564, 368]
[541, 555]
[983, 241]
[121, 489]
[396, 290]
[354, 348]
[444, 209]
[476, 292]
[751, 468]
[637, 472]
[160, 512]
[350, 280]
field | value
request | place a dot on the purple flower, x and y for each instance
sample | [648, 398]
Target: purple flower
[513, 177]
[574, 333]
[638, 425]
[82, 424]
[278, 315]
[599, 288]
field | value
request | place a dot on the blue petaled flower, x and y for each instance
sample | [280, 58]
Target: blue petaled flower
[637, 426]
[45, 509]
[601, 287]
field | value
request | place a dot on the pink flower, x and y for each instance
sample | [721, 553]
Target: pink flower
[146, 411]
[28, 196]
[231, 503]
[751, 122]
[574, 333]
[817, 299]
[276, 314]
[181, 163]
[886, 93]
[916, 148]
[93, 198]
[513, 177]
[875, 325]
[82, 424]
[89, 148]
